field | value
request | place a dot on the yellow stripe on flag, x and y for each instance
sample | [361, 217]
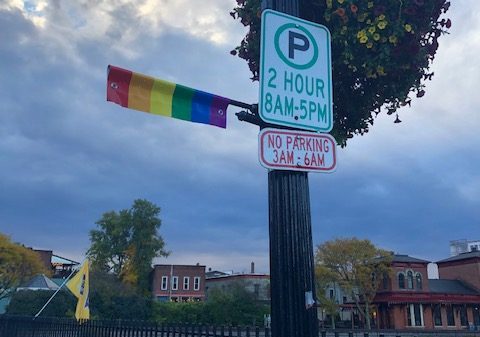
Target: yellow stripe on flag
[79, 286]
[161, 98]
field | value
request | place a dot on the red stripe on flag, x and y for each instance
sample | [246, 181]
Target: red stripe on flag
[118, 83]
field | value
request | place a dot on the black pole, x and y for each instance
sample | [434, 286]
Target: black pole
[291, 247]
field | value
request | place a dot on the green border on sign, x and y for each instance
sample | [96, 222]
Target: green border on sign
[282, 56]
[262, 73]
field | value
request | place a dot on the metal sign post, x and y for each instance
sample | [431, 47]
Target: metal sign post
[291, 247]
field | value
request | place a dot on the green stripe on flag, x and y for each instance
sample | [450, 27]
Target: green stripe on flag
[182, 102]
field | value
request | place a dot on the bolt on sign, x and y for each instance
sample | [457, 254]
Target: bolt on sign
[295, 73]
[297, 150]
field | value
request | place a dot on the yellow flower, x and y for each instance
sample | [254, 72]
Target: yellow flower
[370, 4]
[381, 17]
[369, 45]
[361, 33]
[408, 27]
[369, 21]
[376, 36]
[392, 39]
[329, 3]
[344, 30]
[382, 24]
[341, 1]
[363, 39]
[381, 71]
[371, 30]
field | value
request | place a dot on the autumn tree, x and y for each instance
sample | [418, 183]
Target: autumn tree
[126, 242]
[381, 53]
[324, 278]
[357, 266]
[17, 265]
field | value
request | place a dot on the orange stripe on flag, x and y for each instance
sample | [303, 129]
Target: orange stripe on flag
[139, 92]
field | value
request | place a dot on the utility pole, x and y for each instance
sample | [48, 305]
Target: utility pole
[291, 247]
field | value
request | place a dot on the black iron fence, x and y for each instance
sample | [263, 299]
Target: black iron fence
[16, 326]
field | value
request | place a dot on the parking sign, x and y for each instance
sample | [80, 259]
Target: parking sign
[295, 73]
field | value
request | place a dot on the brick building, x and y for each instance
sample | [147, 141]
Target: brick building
[178, 283]
[408, 299]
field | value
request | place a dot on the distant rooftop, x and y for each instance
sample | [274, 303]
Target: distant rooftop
[62, 260]
[463, 256]
[407, 259]
[451, 287]
[215, 273]
[39, 282]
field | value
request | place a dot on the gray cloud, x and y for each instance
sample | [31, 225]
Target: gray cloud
[68, 156]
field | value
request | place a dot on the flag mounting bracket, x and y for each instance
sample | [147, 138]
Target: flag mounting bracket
[250, 115]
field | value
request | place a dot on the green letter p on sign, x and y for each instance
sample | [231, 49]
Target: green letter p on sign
[295, 73]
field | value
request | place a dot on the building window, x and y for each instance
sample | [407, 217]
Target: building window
[332, 294]
[476, 315]
[401, 281]
[462, 311]
[196, 283]
[385, 281]
[450, 316]
[410, 279]
[164, 283]
[186, 283]
[344, 299]
[415, 315]
[419, 280]
[437, 315]
[174, 282]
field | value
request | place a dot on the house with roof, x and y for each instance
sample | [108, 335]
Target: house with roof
[409, 299]
[59, 266]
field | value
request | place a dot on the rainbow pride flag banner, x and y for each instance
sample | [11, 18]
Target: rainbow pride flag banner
[144, 93]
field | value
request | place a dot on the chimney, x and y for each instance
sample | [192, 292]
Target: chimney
[252, 268]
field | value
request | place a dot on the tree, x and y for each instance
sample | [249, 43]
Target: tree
[358, 266]
[112, 299]
[381, 53]
[17, 265]
[126, 243]
[324, 278]
[234, 305]
[29, 302]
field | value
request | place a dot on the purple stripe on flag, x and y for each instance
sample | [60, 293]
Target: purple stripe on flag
[218, 111]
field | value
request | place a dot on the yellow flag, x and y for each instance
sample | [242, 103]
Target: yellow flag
[79, 286]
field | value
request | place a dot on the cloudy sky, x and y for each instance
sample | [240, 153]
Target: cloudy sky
[67, 155]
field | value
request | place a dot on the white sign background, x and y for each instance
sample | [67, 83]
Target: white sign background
[297, 150]
[295, 88]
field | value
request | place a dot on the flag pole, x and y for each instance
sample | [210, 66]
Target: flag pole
[56, 292]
